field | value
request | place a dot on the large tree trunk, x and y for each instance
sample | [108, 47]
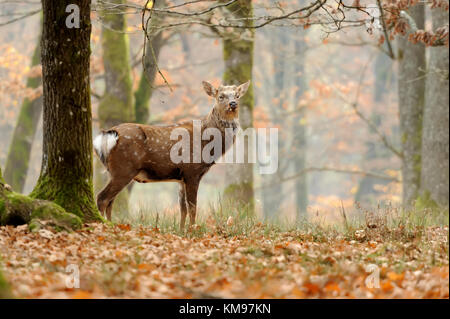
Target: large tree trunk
[435, 140]
[20, 148]
[411, 95]
[116, 105]
[238, 59]
[66, 172]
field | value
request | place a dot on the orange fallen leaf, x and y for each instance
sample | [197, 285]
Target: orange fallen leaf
[146, 267]
[82, 294]
[332, 286]
[387, 286]
[395, 277]
[297, 292]
[311, 288]
[125, 227]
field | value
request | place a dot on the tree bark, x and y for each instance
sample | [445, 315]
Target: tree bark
[272, 197]
[435, 139]
[20, 148]
[299, 130]
[238, 59]
[66, 172]
[145, 90]
[116, 105]
[367, 194]
[411, 94]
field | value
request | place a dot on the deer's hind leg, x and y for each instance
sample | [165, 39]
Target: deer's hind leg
[106, 197]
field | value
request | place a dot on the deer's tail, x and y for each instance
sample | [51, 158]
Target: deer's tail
[104, 143]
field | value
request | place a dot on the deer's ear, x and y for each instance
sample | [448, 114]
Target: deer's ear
[209, 89]
[242, 89]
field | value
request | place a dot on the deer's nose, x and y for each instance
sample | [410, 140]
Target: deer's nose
[233, 105]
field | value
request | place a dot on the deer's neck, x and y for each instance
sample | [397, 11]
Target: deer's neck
[213, 119]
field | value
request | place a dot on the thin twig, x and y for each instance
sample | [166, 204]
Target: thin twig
[386, 35]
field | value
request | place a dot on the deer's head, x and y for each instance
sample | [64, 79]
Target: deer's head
[227, 98]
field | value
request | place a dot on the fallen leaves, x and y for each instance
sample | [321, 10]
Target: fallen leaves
[139, 262]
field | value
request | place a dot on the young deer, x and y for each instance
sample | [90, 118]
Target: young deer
[143, 152]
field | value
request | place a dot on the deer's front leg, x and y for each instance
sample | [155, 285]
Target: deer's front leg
[183, 204]
[191, 199]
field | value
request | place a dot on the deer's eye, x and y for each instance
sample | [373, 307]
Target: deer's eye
[221, 97]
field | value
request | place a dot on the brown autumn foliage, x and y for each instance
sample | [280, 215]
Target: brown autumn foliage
[141, 262]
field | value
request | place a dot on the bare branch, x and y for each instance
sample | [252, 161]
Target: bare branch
[24, 16]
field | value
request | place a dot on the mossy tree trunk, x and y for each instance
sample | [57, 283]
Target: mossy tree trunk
[20, 148]
[17, 209]
[238, 59]
[66, 171]
[411, 96]
[116, 105]
[435, 139]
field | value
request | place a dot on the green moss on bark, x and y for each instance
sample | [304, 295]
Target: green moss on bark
[74, 195]
[17, 209]
[425, 201]
[240, 195]
[142, 98]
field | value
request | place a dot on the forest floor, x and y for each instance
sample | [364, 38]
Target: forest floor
[123, 261]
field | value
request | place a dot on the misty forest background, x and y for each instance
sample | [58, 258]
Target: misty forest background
[357, 209]
[361, 118]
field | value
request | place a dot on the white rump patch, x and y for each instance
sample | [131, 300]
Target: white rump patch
[104, 143]
[98, 143]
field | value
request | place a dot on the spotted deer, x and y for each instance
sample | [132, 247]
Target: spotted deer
[143, 152]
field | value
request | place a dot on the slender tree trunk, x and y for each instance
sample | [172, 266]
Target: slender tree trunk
[272, 195]
[411, 94]
[238, 59]
[66, 172]
[435, 139]
[366, 191]
[20, 148]
[145, 89]
[116, 105]
[299, 130]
